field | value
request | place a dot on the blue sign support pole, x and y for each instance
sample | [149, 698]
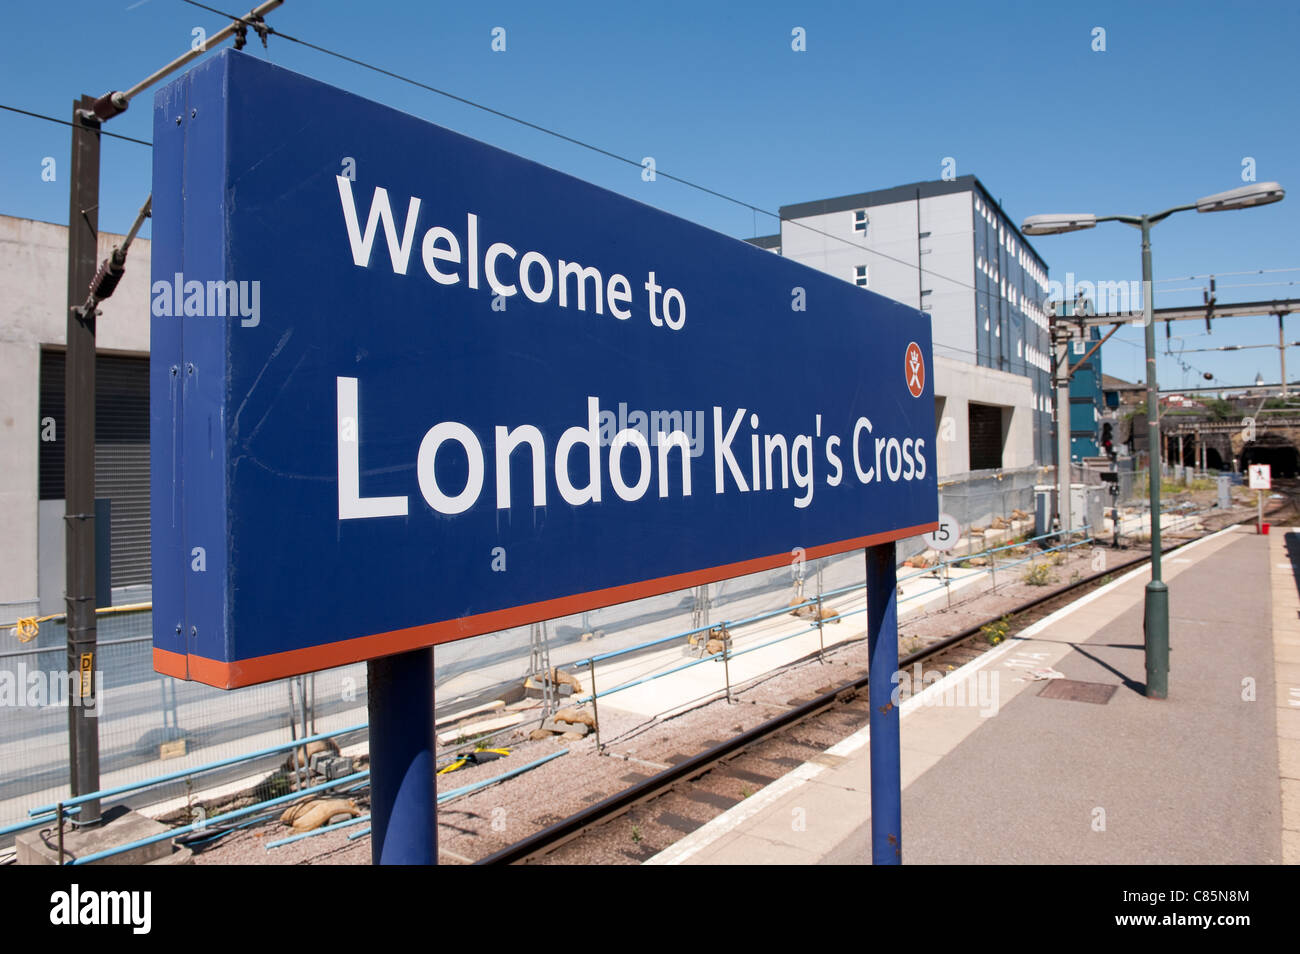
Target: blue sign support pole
[882, 647]
[403, 794]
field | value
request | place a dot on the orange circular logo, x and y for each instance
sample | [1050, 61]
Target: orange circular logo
[914, 369]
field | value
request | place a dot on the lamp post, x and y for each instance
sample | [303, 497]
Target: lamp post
[1156, 609]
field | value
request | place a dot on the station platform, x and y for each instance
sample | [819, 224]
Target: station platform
[1019, 768]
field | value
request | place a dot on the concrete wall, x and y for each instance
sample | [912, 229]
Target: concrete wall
[959, 383]
[33, 310]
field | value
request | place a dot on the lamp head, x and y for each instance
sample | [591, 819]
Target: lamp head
[1055, 223]
[1257, 193]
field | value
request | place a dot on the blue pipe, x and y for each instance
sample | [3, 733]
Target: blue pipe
[34, 822]
[183, 773]
[640, 646]
[852, 587]
[772, 642]
[475, 786]
[318, 831]
[636, 682]
[218, 819]
[46, 810]
[229, 831]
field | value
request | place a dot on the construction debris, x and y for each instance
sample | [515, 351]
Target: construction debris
[562, 678]
[576, 717]
[477, 757]
[300, 757]
[560, 681]
[696, 638]
[310, 814]
[569, 724]
[805, 610]
[565, 728]
[713, 641]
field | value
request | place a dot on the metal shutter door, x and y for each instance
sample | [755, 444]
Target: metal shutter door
[121, 452]
[985, 437]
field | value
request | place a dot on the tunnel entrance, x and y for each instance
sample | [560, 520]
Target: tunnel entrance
[1276, 451]
[1183, 450]
[1188, 457]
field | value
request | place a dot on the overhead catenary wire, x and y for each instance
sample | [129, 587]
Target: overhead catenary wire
[755, 209]
[600, 150]
[65, 122]
[238, 28]
[1197, 288]
[1252, 271]
[573, 140]
[265, 30]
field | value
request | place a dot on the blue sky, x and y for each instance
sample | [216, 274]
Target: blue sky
[1014, 92]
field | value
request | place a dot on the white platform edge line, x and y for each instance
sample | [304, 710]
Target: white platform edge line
[729, 820]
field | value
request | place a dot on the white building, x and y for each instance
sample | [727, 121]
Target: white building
[947, 248]
[33, 327]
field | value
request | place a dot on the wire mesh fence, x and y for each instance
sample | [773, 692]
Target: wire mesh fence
[975, 499]
[147, 723]
[151, 724]
[1133, 481]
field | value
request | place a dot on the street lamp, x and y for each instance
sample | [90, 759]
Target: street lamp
[1156, 610]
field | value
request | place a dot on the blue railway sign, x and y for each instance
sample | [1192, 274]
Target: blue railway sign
[408, 388]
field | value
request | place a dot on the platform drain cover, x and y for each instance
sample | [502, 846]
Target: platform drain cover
[1098, 693]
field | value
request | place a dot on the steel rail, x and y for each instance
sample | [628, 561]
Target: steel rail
[553, 836]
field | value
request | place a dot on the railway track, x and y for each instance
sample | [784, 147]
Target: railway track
[657, 810]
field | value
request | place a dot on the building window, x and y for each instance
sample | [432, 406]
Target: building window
[860, 276]
[860, 221]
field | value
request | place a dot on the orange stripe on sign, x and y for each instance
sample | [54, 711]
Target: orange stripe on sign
[169, 663]
[248, 672]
